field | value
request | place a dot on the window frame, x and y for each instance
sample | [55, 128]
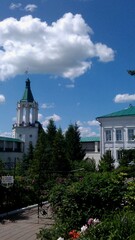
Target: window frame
[108, 135]
[119, 135]
[131, 136]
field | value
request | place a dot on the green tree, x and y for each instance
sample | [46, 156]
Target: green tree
[60, 161]
[50, 137]
[73, 145]
[22, 167]
[39, 156]
[106, 163]
[127, 157]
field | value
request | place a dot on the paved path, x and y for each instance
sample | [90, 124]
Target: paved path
[24, 226]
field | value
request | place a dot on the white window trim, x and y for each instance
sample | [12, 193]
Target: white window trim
[111, 131]
[122, 134]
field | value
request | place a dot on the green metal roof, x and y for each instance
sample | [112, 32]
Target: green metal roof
[27, 96]
[10, 139]
[130, 111]
[90, 139]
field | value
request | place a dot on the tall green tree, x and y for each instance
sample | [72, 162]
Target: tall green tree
[60, 161]
[39, 163]
[50, 137]
[74, 149]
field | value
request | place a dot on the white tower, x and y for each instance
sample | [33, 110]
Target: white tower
[26, 127]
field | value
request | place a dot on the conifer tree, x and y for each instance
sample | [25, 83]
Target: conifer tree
[50, 137]
[60, 161]
[74, 149]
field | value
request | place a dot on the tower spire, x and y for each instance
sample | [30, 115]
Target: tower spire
[27, 96]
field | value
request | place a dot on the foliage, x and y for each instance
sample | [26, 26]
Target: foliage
[127, 157]
[120, 226]
[106, 163]
[87, 165]
[96, 195]
[130, 194]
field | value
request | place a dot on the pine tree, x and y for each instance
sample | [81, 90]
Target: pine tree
[73, 145]
[39, 163]
[50, 137]
[60, 161]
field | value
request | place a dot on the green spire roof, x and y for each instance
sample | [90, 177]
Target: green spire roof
[27, 96]
[130, 111]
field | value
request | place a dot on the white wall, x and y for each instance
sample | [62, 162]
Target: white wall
[114, 123]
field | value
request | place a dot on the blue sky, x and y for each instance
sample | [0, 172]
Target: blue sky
[77, 53]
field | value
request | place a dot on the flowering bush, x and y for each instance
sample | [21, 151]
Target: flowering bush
[74, 234]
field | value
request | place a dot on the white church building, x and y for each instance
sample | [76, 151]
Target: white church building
[24, 131]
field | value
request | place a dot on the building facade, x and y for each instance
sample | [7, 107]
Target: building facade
[117, 132]
[91, 146]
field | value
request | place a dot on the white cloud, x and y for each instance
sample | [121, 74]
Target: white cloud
[2, 98]
[6, 134]
[93, 123]
[47, 105]
[30, 7]
[54, 117]
[89, 128]
[40, 117]
[87, 132]
[121, 98]
[62, 49]
[13, 6]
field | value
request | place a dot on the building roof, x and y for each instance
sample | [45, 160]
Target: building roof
[130, 111]
[27, 96]
[10, 139]
[90, 139]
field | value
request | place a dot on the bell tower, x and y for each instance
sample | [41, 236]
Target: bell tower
[26, 126]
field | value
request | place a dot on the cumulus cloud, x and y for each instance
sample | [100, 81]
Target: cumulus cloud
[121, 98]
[30, 8]
[93, 123]
[88, 128]
[87, 132]
[63, 48]
[54, 117]
[2, 98]
[47, 105]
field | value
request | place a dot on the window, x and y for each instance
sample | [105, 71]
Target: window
[131, 135]
[108, 135]
[118, 135]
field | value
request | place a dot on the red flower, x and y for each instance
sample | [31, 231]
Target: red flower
[74, 234]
